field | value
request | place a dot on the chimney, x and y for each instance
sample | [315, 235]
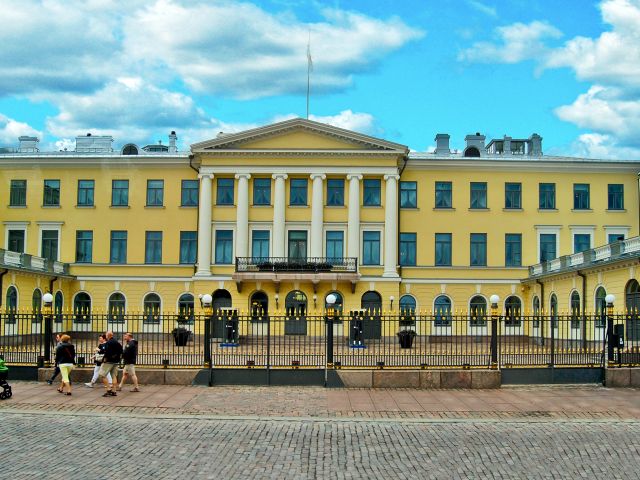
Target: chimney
[172, 142]
[442, 144]
[535, 145]
[28, 144]
[474, 145]
[506, 146]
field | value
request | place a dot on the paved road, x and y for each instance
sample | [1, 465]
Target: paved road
[93, 445]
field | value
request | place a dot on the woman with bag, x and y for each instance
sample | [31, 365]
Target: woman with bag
[66, 359]
[98, 357]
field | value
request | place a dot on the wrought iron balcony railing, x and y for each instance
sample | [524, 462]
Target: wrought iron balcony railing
[308, 265]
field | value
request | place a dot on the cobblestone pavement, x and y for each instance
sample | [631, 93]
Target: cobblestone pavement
[103, 445]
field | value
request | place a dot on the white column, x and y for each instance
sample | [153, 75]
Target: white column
[353, 225]
[391, 226]
[279, 204]
[242, 215]
[317, 210]
[204, 226]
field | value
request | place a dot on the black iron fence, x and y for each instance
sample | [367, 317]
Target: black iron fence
[359, 340]
[297, 264]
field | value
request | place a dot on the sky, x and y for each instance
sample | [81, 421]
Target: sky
[402, 70]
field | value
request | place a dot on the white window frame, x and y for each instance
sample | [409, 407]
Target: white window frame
[57, 226]
[582, 230]
[260, 226]
[334, 228]
[15, 226]
[296, 226]
[145, 296]
[126, 300]
[615, 230]
[545, 229]
[371, 227]
[223, 226]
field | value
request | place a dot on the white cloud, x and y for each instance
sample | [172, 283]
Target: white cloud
[11, 129]
[595, 145]
[483, 8]
[347, 119]
[515, 43]
[239, 49]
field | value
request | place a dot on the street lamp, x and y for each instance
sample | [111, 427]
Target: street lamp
[391, 299]
[330, 317]
[276, 297]
[494, 299]
[609, 300]
[205, 301]
[47, 300]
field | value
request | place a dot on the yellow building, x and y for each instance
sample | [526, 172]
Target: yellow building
[280, 216]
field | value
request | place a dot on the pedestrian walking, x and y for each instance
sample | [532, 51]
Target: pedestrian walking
[66, 360]
[129, 356]
[112, 356]
[56, 370]
[98, 358]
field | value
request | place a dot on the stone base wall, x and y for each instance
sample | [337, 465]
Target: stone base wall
[146, 376]
[426, 379]
[622, 377]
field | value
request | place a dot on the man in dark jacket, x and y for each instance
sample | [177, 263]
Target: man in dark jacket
[129, 356]
[112, 356]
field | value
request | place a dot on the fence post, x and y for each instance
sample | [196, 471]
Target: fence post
[494, 331]
[48, 332]
[207, 339]
[610, 344]
[552, 341]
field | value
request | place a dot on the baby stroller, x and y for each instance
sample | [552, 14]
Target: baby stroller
[6, 388]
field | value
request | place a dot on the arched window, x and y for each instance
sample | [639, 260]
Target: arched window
[117, 307]
[185, 308]
[442, 310]
[36, 301]
[553, 307]
[478, 311]
[575, 310]
[371, 301]
[130, 149]
[58, 303]
[407, 305]
[151, 306]
[221, 299]
[472, 152]
[12, 304]
[536, 312]
[632, 297]
[601, 307]
[512, 310]
[295, 304]
[82, 308]
[259, 307]
[339, 301]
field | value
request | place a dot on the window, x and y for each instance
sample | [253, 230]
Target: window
[224, 247]
[615, 197]
[262, 191]
[185, 308]
[547, 196]
[155, 193]
[18, 193]
[371, 248]
[513, 309]
[601, 308]
[547, 246]
[478, 311]
[82, 308]
[408, 194]
[50, 244]
[297, 245]
[478, 253]
[260, 245]
[118, 247]
[478, 195]
[371, 196]
[443, 249]
[442, 311]
[335, 245]
[12, 306]
[615, 237]
[85, 193]
[119, 193]
[581, 242]
[298, 191]
[36, 303]
[188, 247]
[84, 246]
[513, 249]
[444, 195]
[16, 241]
[575, 310]
[536, 312]
[117, 307]
[189, 196]
[581, 196]
[57, 306]
[335, 192]
[407, 249]
[224, 193]
[151, 306]
[153, 247]
[407, 305]
[51, 193]
[513, 195]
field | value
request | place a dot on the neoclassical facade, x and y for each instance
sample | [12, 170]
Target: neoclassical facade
[276, 218]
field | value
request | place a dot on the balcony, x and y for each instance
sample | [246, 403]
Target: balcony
[313, 269]
[23, 261]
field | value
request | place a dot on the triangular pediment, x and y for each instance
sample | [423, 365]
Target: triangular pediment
[297, 134]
